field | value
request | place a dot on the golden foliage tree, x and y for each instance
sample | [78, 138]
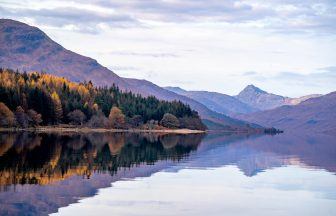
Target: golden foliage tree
[116, 118]
[58, 111]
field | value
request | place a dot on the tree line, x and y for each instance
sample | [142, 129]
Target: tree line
[33, 99]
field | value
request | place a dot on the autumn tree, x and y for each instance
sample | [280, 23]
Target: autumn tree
[116, 118]
[170, 121]
[76, 117]
[7, 118]
[58, 111]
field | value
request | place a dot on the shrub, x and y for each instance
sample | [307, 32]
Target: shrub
[98, 121]
[170, 121]
[76, 117]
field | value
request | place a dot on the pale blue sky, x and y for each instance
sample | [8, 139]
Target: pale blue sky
[285, 47]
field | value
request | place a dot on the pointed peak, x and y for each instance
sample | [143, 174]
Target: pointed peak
[253, 88]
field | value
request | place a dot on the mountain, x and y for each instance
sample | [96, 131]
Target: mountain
[314, 115]
[27, 48]
[262, 100]
[217, 102]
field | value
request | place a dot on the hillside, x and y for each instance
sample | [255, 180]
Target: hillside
[27, 48]
[313, 115]
[215, 101]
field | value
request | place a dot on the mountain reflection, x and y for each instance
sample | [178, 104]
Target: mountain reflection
[255, 154]
[39, 173]
[29, 158]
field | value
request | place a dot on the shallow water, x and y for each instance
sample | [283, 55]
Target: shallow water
[151, 174]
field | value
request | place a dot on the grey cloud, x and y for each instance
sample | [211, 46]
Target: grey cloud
[281, 16]
[83, 20]
[287, 16]
[191, 10]
[325, 78]
[330, 69]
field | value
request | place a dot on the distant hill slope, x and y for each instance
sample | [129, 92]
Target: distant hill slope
[315, 115]
[262, 100]
[147, 88]
[296, 101]
[27, 48]
[217, 102]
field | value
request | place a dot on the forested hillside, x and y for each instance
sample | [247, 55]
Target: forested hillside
[31, 99]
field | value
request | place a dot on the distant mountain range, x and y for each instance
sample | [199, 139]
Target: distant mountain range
[262, 100]
[251, 99]
[27, 48]
[314, 115]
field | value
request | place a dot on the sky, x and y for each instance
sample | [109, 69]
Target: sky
[286, 47]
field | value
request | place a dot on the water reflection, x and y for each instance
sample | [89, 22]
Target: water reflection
[39, 173]
[28, 158]
[258, 153]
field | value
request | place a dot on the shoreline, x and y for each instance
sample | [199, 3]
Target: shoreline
[100, 130]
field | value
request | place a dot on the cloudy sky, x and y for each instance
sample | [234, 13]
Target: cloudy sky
[286, 47]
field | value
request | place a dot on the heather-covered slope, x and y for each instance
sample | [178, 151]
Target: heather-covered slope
[314, 115]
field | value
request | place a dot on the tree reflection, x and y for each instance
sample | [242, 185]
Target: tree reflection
[31, 158]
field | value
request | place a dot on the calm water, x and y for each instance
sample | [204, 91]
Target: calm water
[146, 174]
